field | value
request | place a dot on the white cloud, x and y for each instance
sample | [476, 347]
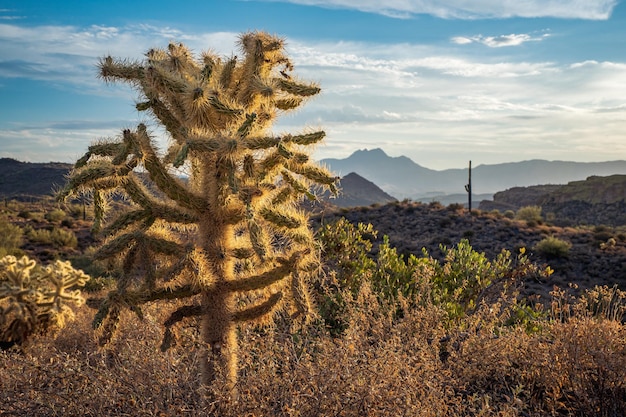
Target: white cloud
[462, 40]
[409, 99]
[58, 53]
[498, 110]
[475, 9]
[499, 41]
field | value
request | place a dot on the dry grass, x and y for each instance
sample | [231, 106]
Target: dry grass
[379, 367]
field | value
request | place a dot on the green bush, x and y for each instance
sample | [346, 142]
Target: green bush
[57, 237]
[457, 284]
[64, 238]
[11, 237]
[529, 214]
[40, 236]
[55, 215]
[509, 214]
[553, 247]
[345, 250]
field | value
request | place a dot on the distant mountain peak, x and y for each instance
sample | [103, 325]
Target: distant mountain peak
[375, 151]
[368, 154]
[401, 177]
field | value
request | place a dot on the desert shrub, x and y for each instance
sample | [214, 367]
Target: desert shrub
[395, 277]
[63, 238]
[604, 302]
[509, 214]
[531, 223]
[553, 247]
[56, 237]
[35, 298]
[11, 237]
[55, 215]
[40, 236]
[435, 205]
[456, 285]
[466, 278]
[77, 210]
[25, 214]
[350, 266]
[529, 214]
[345, 250]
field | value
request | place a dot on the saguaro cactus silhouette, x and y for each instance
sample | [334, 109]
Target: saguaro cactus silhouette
[231, 238]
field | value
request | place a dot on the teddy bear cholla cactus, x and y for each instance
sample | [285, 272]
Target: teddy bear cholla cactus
[36, 298]
[232, 237]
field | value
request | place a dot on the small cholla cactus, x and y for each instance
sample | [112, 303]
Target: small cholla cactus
[34, 298]
[231, 239]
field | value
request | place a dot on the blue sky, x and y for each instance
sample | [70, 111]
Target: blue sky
[440, 81]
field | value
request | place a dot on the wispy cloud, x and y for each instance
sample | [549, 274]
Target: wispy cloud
[499, 41]
[456, 105]
[417, 100]
[9, 14]
[58, 53]
[476, 9]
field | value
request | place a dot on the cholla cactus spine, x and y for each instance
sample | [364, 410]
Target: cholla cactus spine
[240, 202]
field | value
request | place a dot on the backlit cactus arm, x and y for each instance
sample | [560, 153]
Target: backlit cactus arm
[171, 186]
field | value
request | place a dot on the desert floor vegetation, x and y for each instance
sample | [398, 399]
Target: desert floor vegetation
[382, 344]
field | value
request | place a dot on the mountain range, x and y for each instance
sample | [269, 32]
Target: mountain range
[368, 177]
[403, 178]
[26, 180]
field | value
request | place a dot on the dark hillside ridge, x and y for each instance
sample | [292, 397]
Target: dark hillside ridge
[25, 179]
[355, 191]
[403, 178]
[596, 200]
[31, 179]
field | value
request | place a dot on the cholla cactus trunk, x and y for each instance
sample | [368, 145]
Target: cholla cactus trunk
[218, 329]
[251, 249]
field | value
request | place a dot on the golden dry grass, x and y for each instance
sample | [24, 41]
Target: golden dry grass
[379, 367]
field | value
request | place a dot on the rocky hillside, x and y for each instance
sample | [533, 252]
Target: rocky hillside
[30, 179]
[596, 200]
[24, 179]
